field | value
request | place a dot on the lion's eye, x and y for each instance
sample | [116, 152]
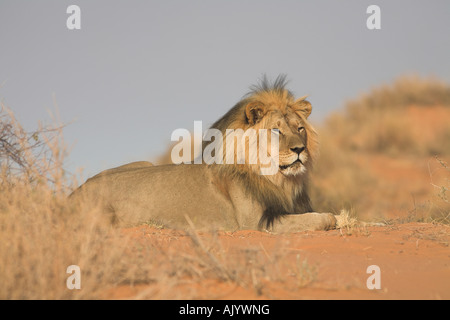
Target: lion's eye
[301, 129]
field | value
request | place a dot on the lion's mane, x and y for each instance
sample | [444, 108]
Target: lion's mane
[279, 194]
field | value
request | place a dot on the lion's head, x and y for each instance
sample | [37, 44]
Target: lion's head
[271, 106]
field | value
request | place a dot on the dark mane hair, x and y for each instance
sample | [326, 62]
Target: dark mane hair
[264, 84]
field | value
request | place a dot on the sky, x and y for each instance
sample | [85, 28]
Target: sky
[137, 70]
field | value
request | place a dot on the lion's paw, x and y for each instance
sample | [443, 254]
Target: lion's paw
[307, 221]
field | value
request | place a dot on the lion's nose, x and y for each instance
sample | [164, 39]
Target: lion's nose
[298, 150]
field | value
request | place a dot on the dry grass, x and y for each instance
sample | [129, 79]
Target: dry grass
[41, 233]
[346, 220]
[441, 200]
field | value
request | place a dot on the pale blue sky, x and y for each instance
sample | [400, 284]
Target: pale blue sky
[137, 70]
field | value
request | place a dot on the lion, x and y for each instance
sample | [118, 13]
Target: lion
[224, 196]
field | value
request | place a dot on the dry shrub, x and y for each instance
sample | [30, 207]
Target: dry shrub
[405, 91]
[41, 236]
[42, 232]
[441, 202]
[30, 157]
[379, 123]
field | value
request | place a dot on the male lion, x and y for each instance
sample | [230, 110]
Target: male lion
[225, 196]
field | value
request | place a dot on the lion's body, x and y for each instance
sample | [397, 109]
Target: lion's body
[224, 196]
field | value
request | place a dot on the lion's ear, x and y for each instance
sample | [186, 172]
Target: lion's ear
[303, 106]
[254, 111]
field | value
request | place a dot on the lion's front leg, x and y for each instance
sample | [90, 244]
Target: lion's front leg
[306, 221]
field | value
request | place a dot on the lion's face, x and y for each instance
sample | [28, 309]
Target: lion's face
[293, 152]
[292, 134]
